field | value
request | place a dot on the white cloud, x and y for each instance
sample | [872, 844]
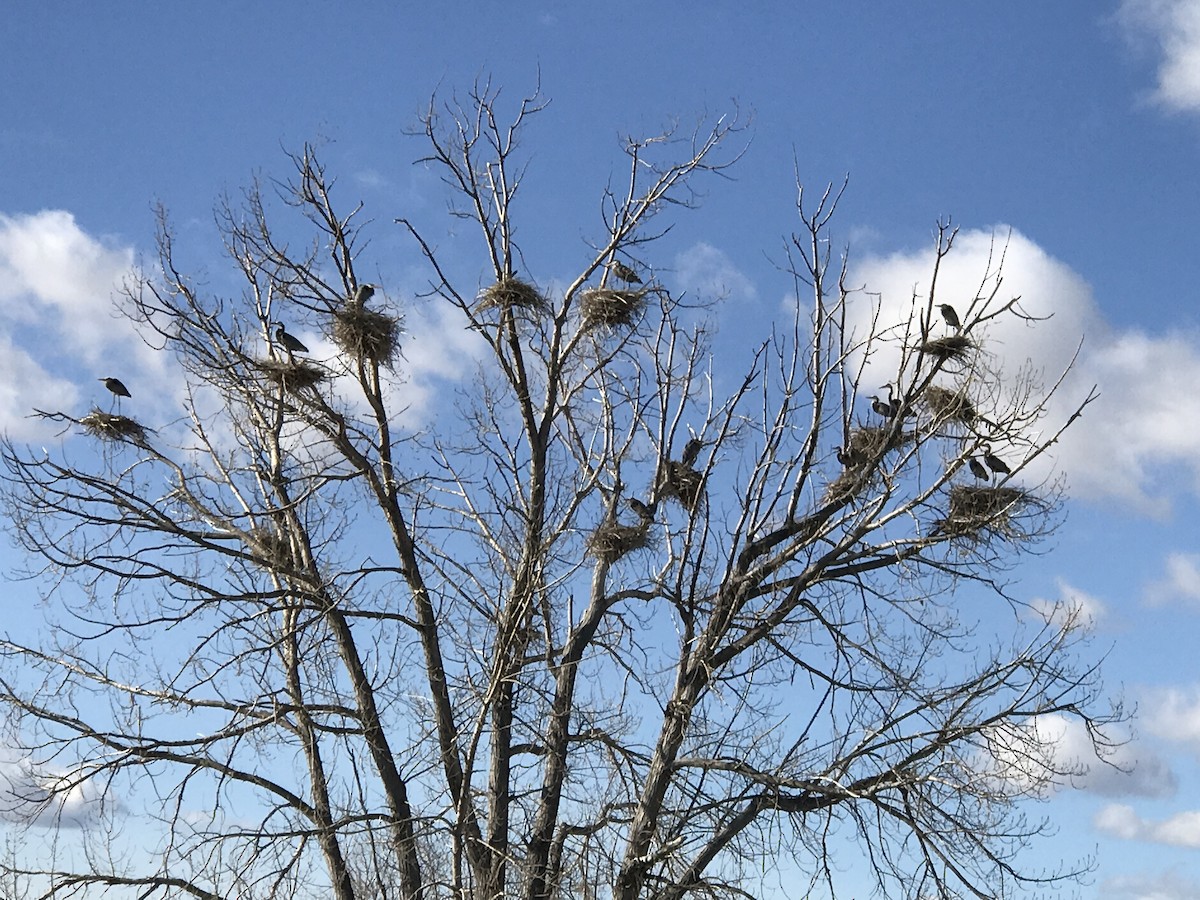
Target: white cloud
[35, 795]
[1157, 886]
[437, 349]
[1173, 714]
[1072, 605]
[707, 273]
[1128, 445]
[1180, 583]
[1174, 27]
[1179, 830]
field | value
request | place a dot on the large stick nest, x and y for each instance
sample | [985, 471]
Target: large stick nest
[977, 510]
[610, 308]
[683, 483]
[869, 442]
[509, 292]
[610, 542]
[947, 405]
[364, 332]
[109, 427]
[952, 347]
[293, 374]
[271, 548]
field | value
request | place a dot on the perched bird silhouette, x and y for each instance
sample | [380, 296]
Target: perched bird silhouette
[848, 458]
[623, 272]
[881, 407]
[118, 389]
[691, 450]
[995, 463]
[362, 294]
[978, 470]
[950, 315]
[288, 342]
[644, 512]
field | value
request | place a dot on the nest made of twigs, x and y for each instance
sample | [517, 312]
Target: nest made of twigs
[954, 346]
[869, 442]
[610, 308]
[975, 508]
[848, 485]
[364, 332]
[270, 547]
[293, 374]
[949, 405]
[610, 542]
[509, 292]
[109, 427]
[683, 483]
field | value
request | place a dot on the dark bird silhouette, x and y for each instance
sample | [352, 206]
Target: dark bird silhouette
[691, 450]
[362, 294]
[950, 315]
[978, 470]
[288, 342]
[118, 389]
[623, 272]
[644, 512]
[881, 407]
[848, 458]
[995, 463]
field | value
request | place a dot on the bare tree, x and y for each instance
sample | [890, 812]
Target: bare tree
[606, 629]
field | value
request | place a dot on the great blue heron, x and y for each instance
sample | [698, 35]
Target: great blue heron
[691, 450]
[118, 389]
[848, 458]
[623, 272]
[978, 470]
[881, 407]
[288, 342]
[950, 315]
[362, 294]
[644, 512]
[995, 463]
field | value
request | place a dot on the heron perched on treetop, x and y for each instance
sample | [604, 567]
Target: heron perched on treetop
[882, 407]
[691, 450]
[995, 463]
[362, 294]
[644, 512]
[623, 272]
[118, 389]
[950, 315]
[288, 342]
[978, 470]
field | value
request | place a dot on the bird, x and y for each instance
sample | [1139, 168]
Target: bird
[118, 389]
[848, 458]
[691, 450]
[950, 315]
[362, 294]
[995, 463]
[644, 512]
[978, 470]
[623, 272]
[288, 342]
[881, 407]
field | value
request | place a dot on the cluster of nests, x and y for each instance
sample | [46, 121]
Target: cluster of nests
[680, 482]
[599, 308]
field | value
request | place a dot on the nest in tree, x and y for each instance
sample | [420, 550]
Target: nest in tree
[364, 332]
[509, 292]
[949, 405]
[610, 542]
[292, 374]
[869, 442]
[847, 485]
[955, 346]
[110, 427]
[975, 509]
[270, 547]
[610, 308]
[682, 483]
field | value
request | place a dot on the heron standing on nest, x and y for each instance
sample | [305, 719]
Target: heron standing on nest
[118, 389]
[288, 342]
[951, 316]
[362, 294]
[623, 272]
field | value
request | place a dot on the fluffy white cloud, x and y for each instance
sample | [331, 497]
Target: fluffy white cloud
[1072, 605]
[1180, 583]
[1131, 441]
[1173, 714]
[1174, 27]
[1179, 830]
[706, 273]
[36, 796]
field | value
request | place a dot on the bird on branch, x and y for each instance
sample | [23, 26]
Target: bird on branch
[118, 389]
[691, 450]
[881, 407]
[951, 316]
[362, 294]
[289, 342]
[644, 512]
[995, 463]
[978, 470]
[623, 272]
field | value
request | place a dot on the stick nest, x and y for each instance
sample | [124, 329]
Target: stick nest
[610, 542]
[993, 510]
[509, 292]
[952, 347]
[870, 442]
[948, 405]
[610, 308]
[271, 548]
[294, 375]
[848, 485]
[110, 427]
[366, 333]
[683, 483]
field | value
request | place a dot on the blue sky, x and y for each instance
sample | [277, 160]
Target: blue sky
[1073, 126]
